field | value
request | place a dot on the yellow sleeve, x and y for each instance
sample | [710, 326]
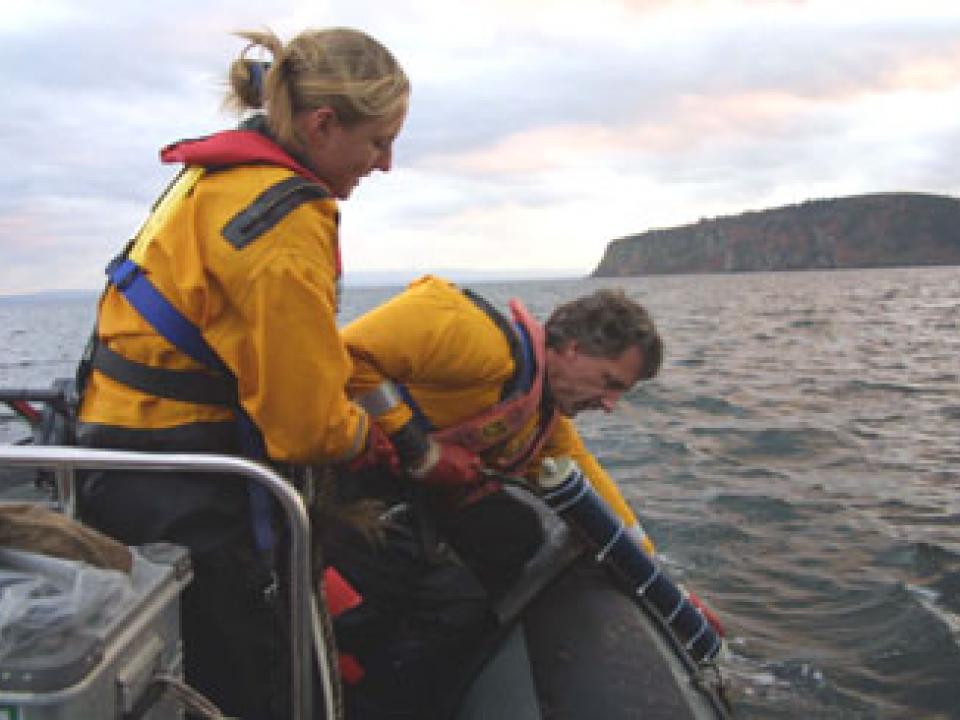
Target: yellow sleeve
[293, 368]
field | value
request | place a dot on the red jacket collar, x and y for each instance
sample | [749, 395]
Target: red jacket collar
[233, 147]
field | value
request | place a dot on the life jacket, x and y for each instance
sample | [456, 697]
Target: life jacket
[124, 272]
[490, 432]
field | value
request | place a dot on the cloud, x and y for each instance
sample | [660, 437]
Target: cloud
[538, 130]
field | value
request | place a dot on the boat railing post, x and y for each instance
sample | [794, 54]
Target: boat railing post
[66, 499]
[69, 459]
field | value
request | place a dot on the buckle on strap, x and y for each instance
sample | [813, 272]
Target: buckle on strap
[122, 271]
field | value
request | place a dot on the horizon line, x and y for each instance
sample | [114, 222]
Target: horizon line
[362, 279]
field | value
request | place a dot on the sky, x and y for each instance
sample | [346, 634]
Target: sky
[538, 130]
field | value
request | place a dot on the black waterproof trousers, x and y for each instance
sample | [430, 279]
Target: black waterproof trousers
[426, 622]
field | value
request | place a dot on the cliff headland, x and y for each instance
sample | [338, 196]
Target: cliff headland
[863, 231]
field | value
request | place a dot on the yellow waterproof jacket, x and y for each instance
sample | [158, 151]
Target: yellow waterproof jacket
[454, 361]
[266, 307]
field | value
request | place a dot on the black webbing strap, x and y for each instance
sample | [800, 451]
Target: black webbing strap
[194, 386]
[516, 348]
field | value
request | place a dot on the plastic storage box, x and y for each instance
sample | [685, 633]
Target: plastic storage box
[79, 643]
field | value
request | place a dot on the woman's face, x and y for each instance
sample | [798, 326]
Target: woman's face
[341, 155]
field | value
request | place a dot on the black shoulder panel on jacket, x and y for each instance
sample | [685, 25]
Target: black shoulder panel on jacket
[520, 359]
[272, 205]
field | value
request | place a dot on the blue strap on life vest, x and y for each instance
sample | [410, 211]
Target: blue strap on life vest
[525, 379]
[130, 279]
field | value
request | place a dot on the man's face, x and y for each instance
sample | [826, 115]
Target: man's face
[585, 382]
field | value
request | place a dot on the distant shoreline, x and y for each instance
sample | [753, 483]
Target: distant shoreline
[371, 279]
[49, 295]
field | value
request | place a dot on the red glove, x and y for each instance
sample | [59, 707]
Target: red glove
[709, 614]
[378, 452]
[448, 465]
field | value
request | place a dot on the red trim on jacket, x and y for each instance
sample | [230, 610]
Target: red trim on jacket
[508, 417]
[233, 147]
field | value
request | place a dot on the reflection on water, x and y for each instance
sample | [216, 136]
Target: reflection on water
[797, 462]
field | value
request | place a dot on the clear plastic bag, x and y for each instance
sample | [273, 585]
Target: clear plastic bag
[46, 602]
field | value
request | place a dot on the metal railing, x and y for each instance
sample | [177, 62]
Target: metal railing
[66, 460]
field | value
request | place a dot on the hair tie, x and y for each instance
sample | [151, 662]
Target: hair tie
[258, 69]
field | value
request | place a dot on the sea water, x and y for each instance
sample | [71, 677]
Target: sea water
[797, 462]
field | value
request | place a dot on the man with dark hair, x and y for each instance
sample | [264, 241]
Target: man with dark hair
[603, 329]
[467, 396]
[458, 386]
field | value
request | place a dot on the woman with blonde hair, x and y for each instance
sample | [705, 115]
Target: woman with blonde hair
[217, 333]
